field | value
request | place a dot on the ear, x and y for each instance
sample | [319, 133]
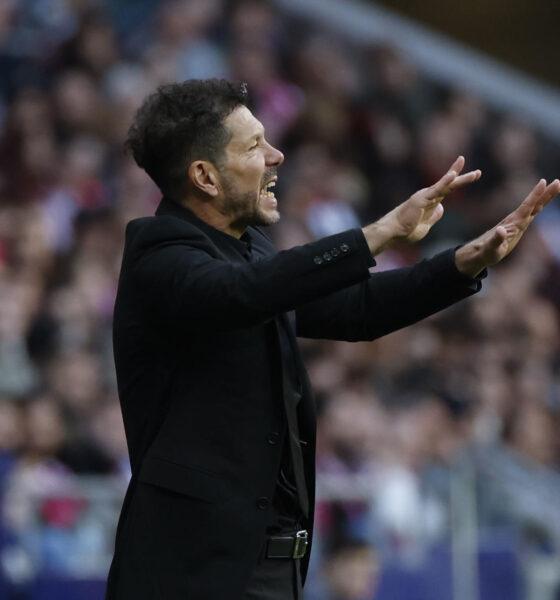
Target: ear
[203, 176]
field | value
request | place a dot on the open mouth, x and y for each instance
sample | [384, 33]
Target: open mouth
[267, 189]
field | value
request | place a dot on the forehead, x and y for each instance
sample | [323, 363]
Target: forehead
[243, 125]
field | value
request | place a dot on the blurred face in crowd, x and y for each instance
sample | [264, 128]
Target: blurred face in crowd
[45, 429]
[248, 174]
[534, 434]
[11, 427]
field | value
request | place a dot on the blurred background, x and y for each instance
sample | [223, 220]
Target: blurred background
[439, 445]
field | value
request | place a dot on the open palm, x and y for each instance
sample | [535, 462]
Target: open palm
[416, 216]
[494, 245]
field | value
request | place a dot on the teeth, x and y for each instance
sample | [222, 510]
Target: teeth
[267, 189]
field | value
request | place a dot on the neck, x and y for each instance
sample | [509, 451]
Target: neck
[208, 212]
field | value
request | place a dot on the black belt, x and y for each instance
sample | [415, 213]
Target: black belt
[287, 546]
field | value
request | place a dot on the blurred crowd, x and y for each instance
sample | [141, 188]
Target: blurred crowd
[361, 130]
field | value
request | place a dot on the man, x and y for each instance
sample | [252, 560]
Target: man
[217, 408]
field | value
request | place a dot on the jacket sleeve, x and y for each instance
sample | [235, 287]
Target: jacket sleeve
[176, 273]
[387, 301]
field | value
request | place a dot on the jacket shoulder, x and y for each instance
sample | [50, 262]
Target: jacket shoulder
[147, 235]
[150, 230]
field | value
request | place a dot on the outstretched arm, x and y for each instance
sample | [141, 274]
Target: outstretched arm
[494, 245]
[400, 297]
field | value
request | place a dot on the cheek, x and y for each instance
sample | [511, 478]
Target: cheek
[255, 167]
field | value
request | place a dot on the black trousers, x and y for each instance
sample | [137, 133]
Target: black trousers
[275, 579]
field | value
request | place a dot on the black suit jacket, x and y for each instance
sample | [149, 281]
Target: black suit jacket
[199, 372]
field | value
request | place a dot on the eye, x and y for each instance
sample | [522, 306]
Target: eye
[254, 146]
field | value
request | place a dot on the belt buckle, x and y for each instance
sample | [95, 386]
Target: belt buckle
[300, 544]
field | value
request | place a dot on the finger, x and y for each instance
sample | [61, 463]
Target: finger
[448, 183]
[465, 179]
[441, 187]
[551, 191]
[526, 208]
[458, 165]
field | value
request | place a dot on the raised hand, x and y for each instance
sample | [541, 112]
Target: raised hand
[411, 220]
[418, 214]
[494, 245]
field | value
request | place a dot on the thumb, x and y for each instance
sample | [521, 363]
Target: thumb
[436, 215]
[498, 235]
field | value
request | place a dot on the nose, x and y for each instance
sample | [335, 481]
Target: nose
[273, 156]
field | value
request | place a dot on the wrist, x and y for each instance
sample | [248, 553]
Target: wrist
[469, 261]
[380, 235]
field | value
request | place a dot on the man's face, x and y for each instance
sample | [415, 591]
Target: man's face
[248, 173]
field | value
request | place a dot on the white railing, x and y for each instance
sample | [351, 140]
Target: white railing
[438, 57]
[83, 549]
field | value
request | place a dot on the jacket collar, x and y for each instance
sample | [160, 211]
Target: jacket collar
[169, 208]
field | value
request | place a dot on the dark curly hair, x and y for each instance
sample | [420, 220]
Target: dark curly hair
[181, 123]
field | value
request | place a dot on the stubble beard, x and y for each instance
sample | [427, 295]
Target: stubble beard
[244, 208]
